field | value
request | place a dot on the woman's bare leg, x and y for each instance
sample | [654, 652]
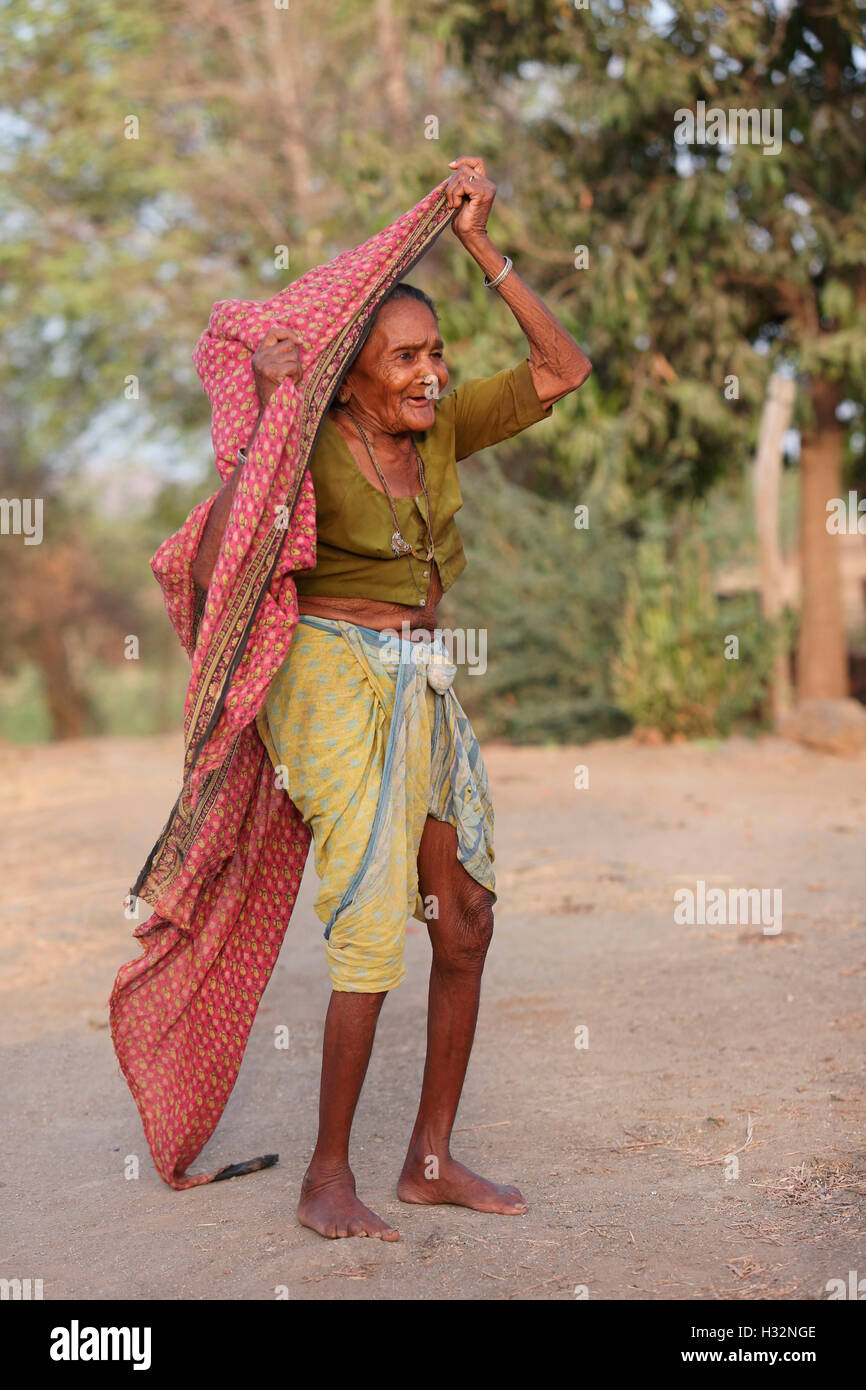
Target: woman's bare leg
[460, 938]
[328, 1203]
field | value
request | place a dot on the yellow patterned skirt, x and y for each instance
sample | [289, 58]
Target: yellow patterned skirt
[366, 749]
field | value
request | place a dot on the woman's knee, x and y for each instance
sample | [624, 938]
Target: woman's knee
[465, 929]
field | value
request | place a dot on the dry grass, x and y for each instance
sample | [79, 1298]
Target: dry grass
[686, 1141]
[819, 1182]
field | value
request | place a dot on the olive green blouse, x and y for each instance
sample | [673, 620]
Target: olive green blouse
[354, 524]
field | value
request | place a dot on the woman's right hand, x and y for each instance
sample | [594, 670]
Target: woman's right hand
[276, 357]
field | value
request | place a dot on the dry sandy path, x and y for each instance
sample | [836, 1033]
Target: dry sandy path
[698, 1036]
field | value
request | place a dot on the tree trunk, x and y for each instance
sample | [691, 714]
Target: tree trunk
[283, 46]
[766, 476]
[68, 706]
[822, 667]
[393, 61]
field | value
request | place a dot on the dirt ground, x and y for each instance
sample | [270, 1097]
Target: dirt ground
[707, 1143]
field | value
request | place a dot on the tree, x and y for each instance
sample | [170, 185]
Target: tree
[709, 262]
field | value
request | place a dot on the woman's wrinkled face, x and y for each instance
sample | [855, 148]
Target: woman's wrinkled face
[400, 370]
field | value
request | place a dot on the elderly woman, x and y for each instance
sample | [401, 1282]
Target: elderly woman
[360, 722]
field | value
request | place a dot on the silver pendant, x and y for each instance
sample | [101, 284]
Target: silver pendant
[398, 545]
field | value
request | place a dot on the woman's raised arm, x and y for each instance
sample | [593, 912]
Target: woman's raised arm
[276, 357]
[557, 363]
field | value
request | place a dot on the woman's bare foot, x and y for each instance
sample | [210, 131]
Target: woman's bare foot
[329, 1205]
[456, 1185]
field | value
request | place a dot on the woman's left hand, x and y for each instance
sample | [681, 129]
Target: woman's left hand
[472, 192]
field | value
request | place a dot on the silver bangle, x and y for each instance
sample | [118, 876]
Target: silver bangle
[242, 456]
[491, 284]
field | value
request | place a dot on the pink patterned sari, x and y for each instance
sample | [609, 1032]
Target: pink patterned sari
[223, 877]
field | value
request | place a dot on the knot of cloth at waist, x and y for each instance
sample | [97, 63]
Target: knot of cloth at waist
[427, 653]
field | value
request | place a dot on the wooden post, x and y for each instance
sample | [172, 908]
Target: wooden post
[766, 475]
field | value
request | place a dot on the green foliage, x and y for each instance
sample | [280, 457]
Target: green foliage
[704, 260]
[23, 713]
[140, 698]
[546, 596]
[671, 671]
[133, 700]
